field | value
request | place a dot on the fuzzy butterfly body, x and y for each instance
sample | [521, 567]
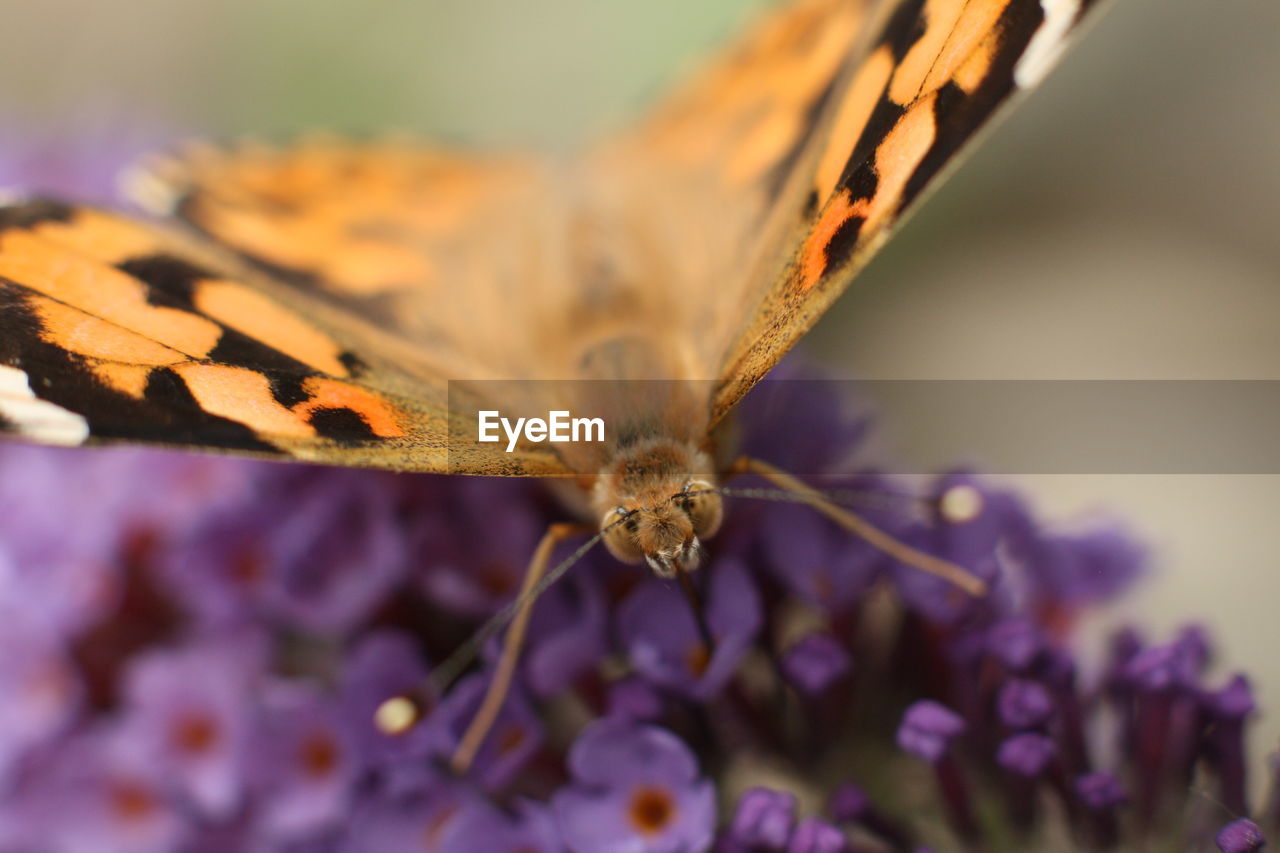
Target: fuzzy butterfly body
[315, 301]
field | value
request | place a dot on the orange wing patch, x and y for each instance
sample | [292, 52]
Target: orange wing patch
[326, 394]
[99, 236]
[938, 71]
[838, 214]
[245, 395]
[745, 115]
[852, 116]
[102, 291]
[361, 223]
[252, 312]
[106, 321]
[953, 29]
[834, 236]
[97, 339]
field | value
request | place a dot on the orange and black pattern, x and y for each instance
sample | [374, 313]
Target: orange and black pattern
[120, 337]
[337, 287]
[938, 71]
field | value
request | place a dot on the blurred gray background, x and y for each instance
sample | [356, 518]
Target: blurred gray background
[1123, 224]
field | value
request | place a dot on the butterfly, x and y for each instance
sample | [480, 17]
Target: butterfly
[356, 303]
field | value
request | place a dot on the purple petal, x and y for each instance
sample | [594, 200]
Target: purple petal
[1024, 704]
[764, 817]
[613, 820]
[189, 710]
[1240, 836]
[927, 729]
[1101, 790]
[815, 662]
[610, 753]
[815, 835]
[663, 641]
[303, 764]
[481, 826]
[383, 665]
[1026, 754]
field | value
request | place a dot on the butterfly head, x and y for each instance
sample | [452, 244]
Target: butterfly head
[666, 534]
[653, 510]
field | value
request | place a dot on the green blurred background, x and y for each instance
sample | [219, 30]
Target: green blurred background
[1123, 224]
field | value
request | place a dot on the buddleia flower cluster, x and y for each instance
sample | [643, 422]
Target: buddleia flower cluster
[193, 651]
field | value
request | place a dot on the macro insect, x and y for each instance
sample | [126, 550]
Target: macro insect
[357, 303]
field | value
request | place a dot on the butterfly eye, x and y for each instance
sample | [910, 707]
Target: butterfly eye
[703, 505]
[619, 530]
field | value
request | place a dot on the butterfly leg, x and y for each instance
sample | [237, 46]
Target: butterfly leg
[504, 673]
[860, 527]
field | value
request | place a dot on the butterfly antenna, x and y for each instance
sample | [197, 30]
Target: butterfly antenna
[400, 713]
[794, 490]
[862, 498]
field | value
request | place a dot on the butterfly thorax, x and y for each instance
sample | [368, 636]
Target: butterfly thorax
[656, 500]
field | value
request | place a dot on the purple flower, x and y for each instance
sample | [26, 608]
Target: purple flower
[382, 665]
[510, 744]
[662, 638]
[927, 730]
[1072, 570]
[796, 400]
[1101, 790]
[182, 488]
[40, 690]
[1026, 754]
[816, 560]
[1234, 701]
[632, 698]
[1102, 795]
[1024, 704]
[221, 571]
[1159, 668]
[1226, 710]
[1240, 836]
[939, 600]
[482, 827]
[815, 835]
[566, 635]
[317, 548]
[973, 518]
[188, 714]
[764, 817]
[635, 789]
[1016, 643]
[460, 565]
[415, 808]
[336, 549]
[294, 602]
[970, 521]
[303, 764]
[815, 662]
[65, 575]
[96, 793]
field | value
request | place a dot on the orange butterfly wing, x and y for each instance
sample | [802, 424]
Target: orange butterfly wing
[700, 245]
[935, 74]
[114, 330]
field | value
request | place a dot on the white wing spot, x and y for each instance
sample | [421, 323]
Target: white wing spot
[36, 418]
[142, 184]
[1047, 43]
